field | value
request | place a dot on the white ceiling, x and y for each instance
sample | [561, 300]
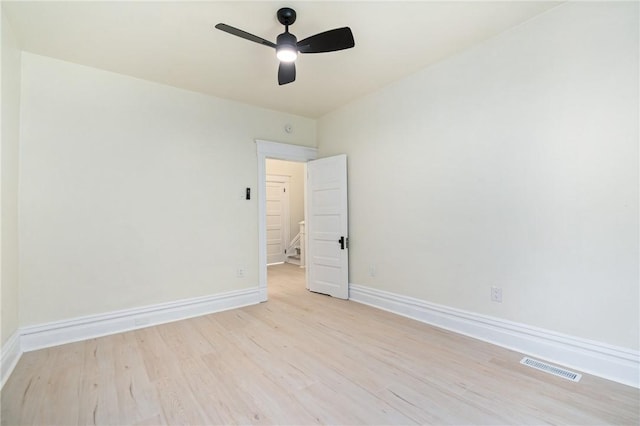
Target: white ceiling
[175, 43]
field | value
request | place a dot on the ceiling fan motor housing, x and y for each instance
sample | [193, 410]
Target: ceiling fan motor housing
[287, 39]
[286, 16]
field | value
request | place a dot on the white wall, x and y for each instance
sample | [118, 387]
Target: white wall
[9, 290]
[132, 192]
[295, 171]
[513, 164]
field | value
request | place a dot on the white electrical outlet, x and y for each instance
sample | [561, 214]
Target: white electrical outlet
[496, 294]
[240, 272]
[372, 270]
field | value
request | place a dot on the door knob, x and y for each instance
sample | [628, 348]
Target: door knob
[344, 242]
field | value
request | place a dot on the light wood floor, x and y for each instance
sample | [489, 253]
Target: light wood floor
[301, 358]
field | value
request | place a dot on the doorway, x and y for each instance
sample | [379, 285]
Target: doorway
[279, 151]
[285, 192]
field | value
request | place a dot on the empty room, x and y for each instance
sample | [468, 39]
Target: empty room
[320, 212]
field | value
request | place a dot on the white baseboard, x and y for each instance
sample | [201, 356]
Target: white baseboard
[10, 356]
[599, 359]
[82, 328]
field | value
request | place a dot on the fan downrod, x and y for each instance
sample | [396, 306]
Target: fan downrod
[286, 16]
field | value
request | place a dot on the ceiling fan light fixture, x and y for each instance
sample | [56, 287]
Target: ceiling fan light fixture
[286, 53]
[286, 47]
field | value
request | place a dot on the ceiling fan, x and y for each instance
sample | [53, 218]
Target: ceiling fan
[287, 45]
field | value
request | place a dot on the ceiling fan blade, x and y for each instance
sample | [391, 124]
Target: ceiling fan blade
[243, 34]
[286, 72]
[328, 41]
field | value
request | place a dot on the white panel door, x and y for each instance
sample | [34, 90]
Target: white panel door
[277, 219]
[327, 230]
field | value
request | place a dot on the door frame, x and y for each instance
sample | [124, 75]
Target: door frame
[278, 151]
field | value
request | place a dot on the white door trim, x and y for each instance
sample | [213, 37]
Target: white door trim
[278, 151]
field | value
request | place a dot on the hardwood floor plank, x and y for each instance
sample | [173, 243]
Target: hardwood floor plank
[179, 406]
[135, 392]
[63, 389]
[158, 358]
[219, 401]
[25, 392]
[152, 421]
[268, 400]
[98, 397]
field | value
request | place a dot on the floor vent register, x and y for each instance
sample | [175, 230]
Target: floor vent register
[551, 369]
